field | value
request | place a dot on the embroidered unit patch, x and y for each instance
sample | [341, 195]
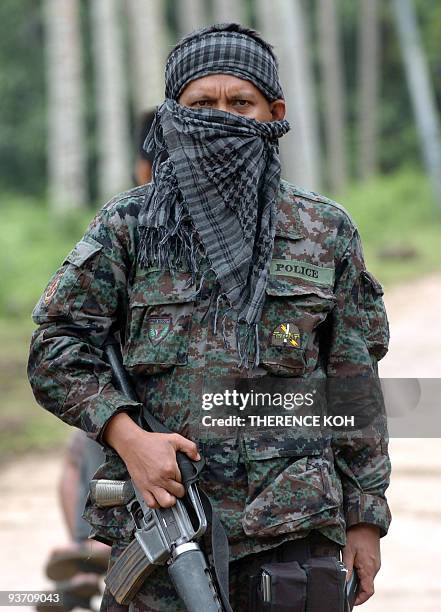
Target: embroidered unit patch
[158, 328]
[286, 334]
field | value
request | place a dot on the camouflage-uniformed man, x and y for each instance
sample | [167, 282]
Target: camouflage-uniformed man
[196, 297]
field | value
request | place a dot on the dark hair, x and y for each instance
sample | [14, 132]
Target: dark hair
[144, 124]
[227, 27]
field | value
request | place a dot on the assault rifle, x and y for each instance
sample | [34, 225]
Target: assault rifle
[165, 536]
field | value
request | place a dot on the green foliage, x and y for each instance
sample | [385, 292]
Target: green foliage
[399, 225]
[22, 86]
[34, 244]
[22, 95]
[23, 425]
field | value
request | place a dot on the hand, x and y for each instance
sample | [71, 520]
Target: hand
[362, 551]
[150, 459]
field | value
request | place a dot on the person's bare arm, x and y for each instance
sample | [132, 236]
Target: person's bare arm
[150, 459]
[68, 493]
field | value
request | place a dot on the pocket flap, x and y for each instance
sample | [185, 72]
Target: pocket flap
[269, 445]
[153, 286]
[299, 498]
[278, 286]
[83, 250]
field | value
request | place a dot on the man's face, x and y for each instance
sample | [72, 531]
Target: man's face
[233, 95]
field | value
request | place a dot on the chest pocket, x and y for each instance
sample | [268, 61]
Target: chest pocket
[293, 311]
[161, 306]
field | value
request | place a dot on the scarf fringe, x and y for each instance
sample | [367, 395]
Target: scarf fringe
[248, 344]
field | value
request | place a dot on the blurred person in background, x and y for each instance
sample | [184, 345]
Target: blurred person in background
[76, 567]
[215, 145]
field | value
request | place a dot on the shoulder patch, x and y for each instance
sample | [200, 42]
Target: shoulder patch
[83, 250]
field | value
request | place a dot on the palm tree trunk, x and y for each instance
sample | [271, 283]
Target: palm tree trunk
[284, 25]
[421, 91]
[229, 10]
[67, 152]
[334, 98]
[368, 54]
[192, 14]
[111, 94]
[148, 51]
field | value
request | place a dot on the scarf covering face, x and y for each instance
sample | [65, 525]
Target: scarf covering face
[216, 178]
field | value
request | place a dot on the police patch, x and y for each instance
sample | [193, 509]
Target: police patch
[286, 334]
[302, 269]
[158, 328]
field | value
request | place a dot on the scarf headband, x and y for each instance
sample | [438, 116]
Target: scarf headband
[226, 52]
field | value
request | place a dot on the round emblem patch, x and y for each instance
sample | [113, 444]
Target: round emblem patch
[286, 334]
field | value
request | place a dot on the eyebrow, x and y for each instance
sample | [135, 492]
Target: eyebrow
[200, 95]
[236, 95]
[243, 94]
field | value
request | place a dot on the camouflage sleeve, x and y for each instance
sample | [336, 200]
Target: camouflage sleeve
[83, 301]
[359, 337]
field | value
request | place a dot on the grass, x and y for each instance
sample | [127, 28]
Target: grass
[396, 214]
[393, 212]
[34, 244]
[24, 425]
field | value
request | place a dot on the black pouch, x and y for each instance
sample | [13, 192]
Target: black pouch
[326, 585]
[279, 587]
[317, 585]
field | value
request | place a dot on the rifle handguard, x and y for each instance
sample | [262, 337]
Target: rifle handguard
[107, 493]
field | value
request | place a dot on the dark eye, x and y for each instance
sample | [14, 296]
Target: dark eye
[241, 103]
[202, 103]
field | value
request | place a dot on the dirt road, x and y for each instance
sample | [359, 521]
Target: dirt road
[30, 521]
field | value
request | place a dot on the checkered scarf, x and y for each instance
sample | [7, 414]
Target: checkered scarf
[216, 177]
[222, 52]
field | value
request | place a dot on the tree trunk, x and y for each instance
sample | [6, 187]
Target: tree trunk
[287, 30]
[334, 98]
[111, 94]
[192, 14]
[229, 10]
[421, 91]
[148, 51]
[368, 54]
[67, 151]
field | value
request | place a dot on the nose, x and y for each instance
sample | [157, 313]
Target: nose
[222, 105]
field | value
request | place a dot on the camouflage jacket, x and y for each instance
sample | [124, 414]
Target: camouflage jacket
[266, 490]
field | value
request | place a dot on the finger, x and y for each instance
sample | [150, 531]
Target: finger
[174, 488]
[163, 497]
[365, 589]
[186, 446]
[150, 500]
[348, 560]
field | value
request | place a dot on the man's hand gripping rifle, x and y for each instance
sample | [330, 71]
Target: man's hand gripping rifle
[165, 536]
